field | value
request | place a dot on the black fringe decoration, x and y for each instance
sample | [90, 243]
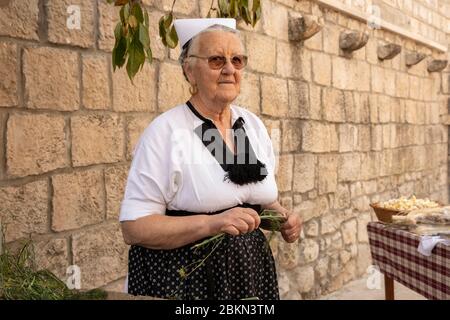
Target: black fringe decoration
[241, 174]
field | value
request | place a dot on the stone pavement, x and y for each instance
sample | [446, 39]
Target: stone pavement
[357, 290]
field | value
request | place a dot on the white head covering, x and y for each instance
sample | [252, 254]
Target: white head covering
[189, 28]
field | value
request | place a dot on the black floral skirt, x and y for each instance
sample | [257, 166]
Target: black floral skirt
[240, 267]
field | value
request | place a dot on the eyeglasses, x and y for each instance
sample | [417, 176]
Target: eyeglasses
[217, 62]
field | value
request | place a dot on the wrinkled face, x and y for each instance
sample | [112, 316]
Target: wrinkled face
[221, 85]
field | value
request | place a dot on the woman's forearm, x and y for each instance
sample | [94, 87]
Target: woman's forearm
[167, 232]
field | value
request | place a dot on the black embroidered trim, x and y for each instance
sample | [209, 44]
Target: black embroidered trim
[241, 168]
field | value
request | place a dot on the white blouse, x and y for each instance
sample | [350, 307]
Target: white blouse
[172, 169]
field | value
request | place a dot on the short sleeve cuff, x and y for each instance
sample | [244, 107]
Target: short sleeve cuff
[134, 209]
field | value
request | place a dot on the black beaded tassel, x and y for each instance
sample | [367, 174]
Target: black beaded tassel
[249, 171]
[241, 174]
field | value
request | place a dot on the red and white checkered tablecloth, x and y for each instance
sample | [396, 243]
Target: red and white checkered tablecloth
[395, 252]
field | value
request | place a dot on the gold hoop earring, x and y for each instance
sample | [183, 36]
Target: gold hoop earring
[193, 90]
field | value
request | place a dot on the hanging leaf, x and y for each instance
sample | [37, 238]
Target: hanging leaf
[244, 11]
[132, 21]
[122, 15]
[136, 11]
[162, 29]
[224, 8]
[172, 39]
[256, 11]
[120, 47]
[128, 40]
[246, 15]
[136, 57]
[167, 31]
[164, 24]
[118, 32]
[118, 54]
[168, 20]
[143, 36]
[126, 12]
[234, 8]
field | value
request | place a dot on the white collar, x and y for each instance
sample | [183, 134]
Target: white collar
[198, 121]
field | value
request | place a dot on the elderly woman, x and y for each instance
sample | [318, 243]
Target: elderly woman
[203, 168]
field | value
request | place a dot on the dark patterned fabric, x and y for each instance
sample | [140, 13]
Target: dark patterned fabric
[241, 267]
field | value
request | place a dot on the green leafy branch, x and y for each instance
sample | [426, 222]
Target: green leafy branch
[132, 40]
[132, 37]
[238, 9]
[167, 30]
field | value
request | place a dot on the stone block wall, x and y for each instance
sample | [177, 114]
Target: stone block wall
[348, 130]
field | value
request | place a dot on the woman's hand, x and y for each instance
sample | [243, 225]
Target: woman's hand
[236, 221]
[290, 230]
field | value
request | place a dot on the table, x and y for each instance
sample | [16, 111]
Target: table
[394, 251]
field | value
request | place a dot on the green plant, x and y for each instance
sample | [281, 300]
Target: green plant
[132, 40]
[20, 280]
[238, 9]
